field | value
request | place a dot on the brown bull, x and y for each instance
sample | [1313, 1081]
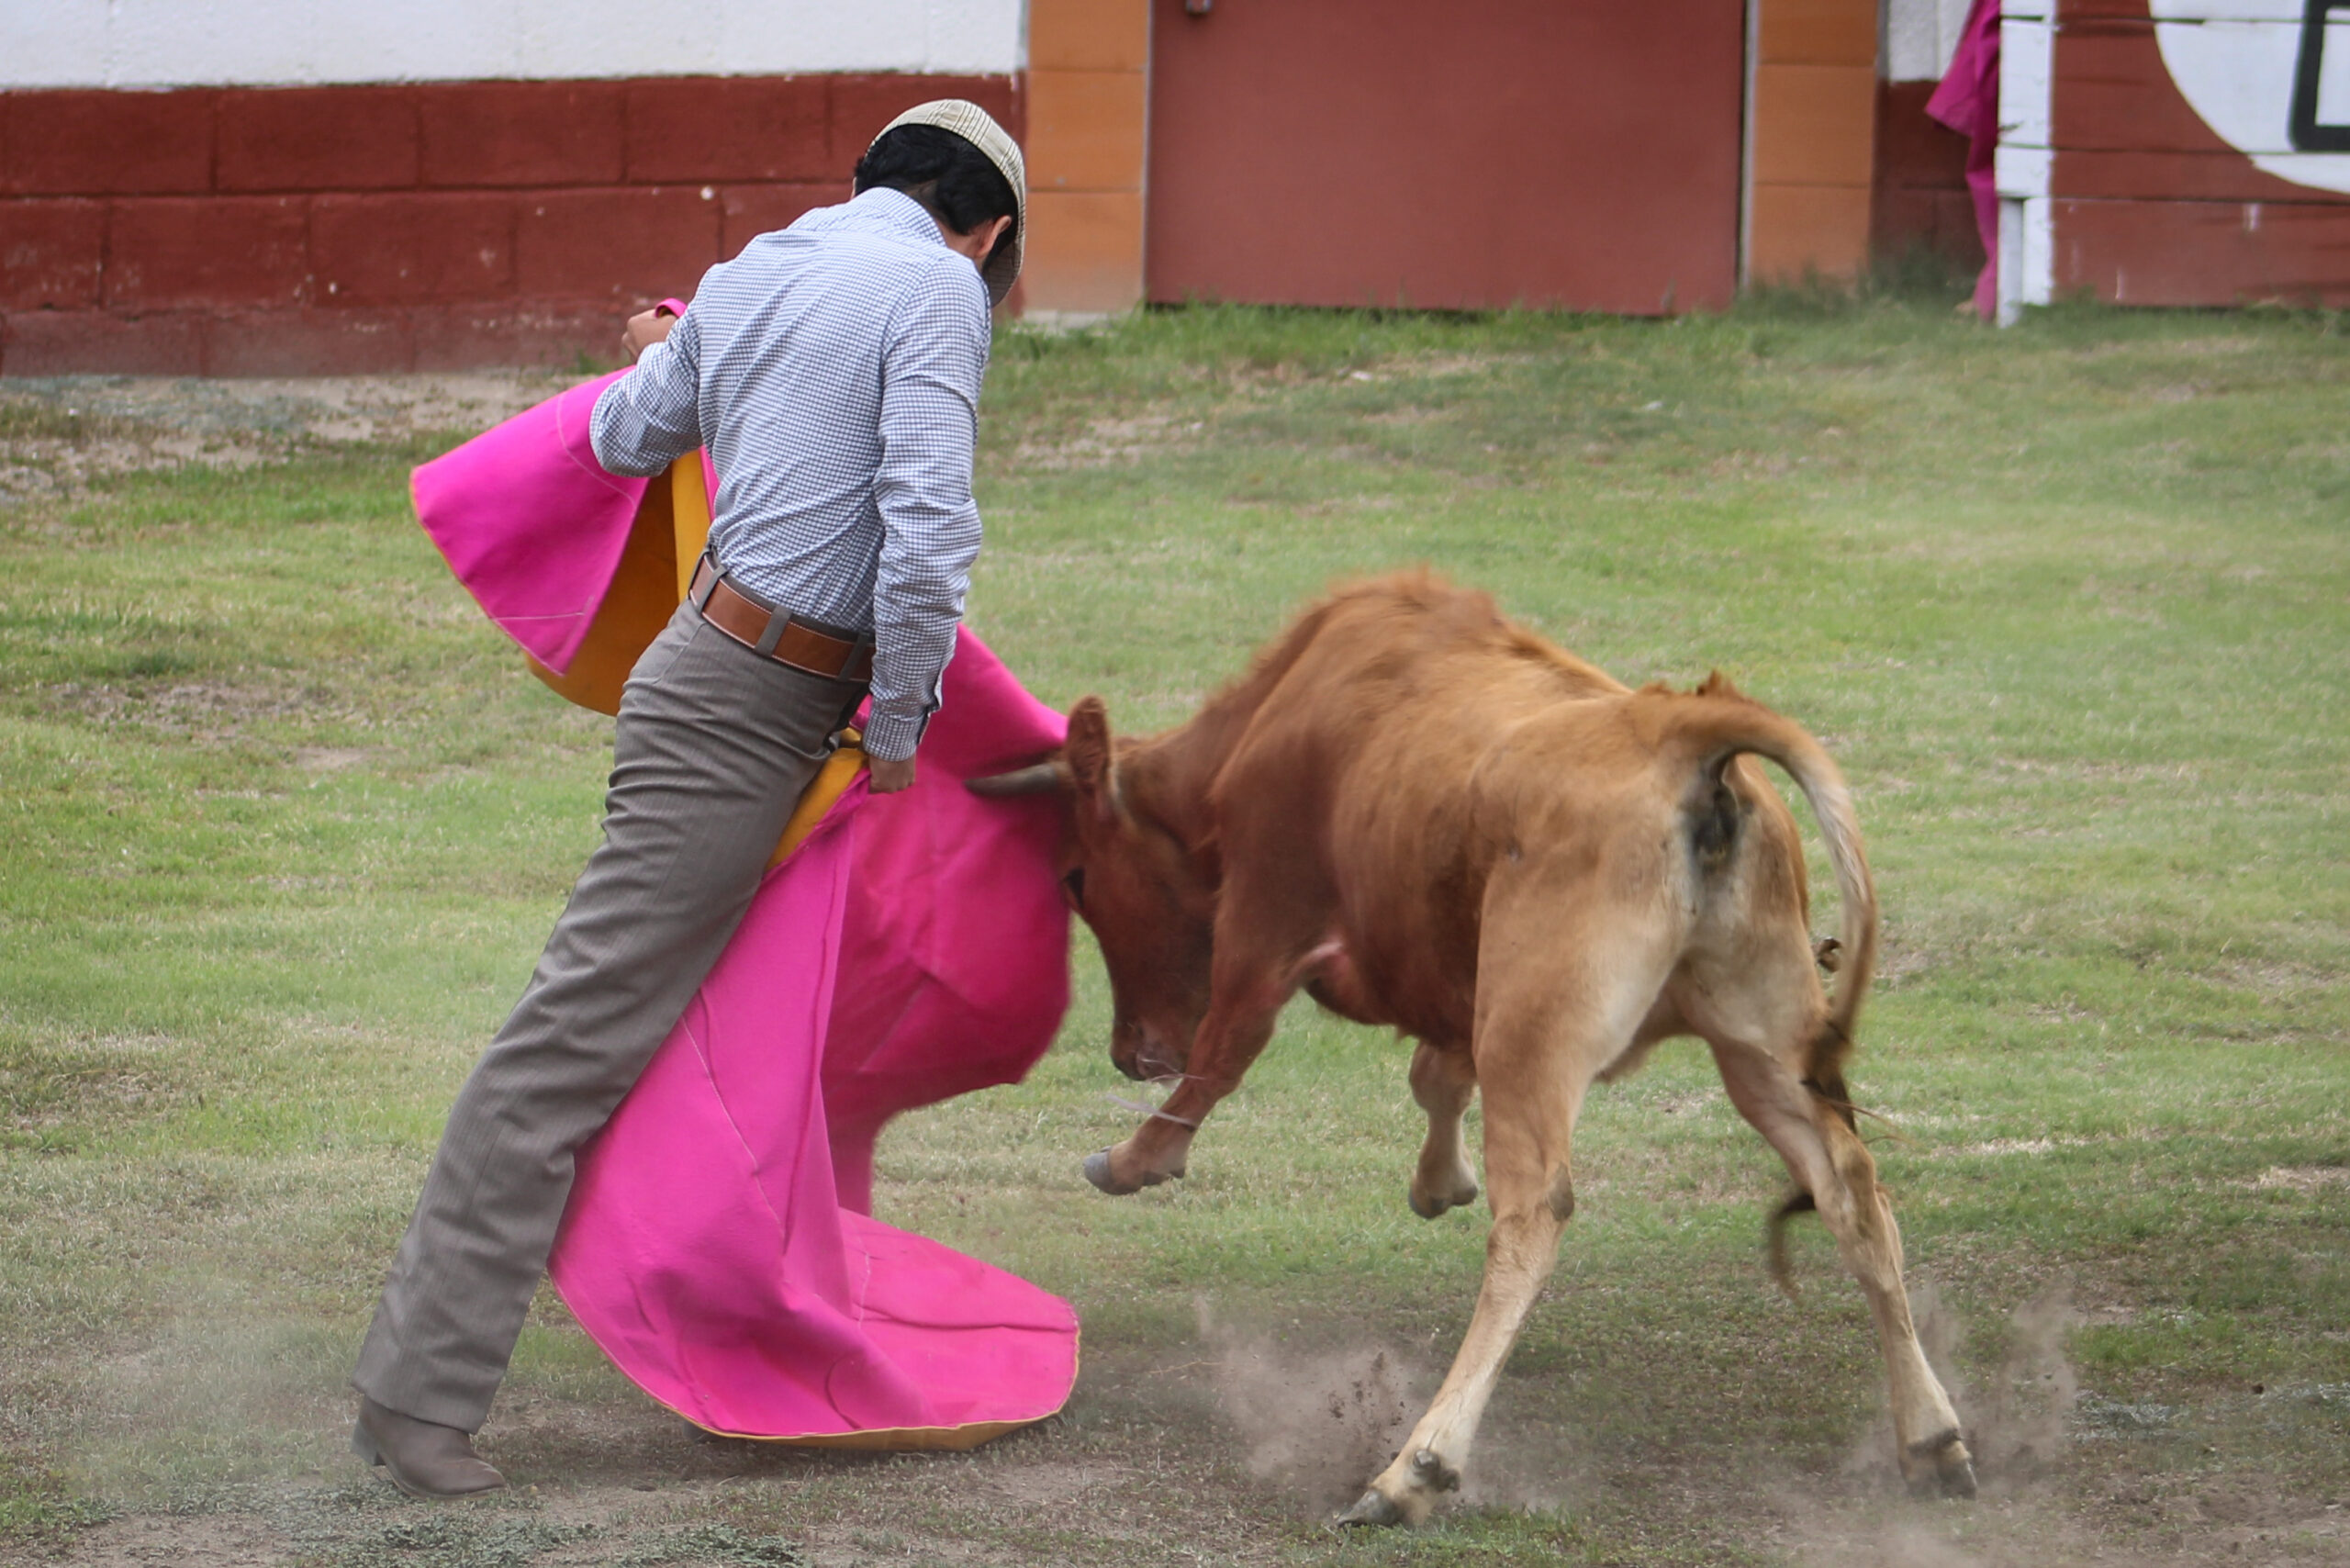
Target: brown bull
[1432, 818]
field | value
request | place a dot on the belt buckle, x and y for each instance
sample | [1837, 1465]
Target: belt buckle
[707, 575]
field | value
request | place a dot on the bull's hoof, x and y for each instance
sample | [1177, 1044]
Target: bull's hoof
[1097, 1170]
[1940, 1467]
[1428, 1205]
[1371, 1510]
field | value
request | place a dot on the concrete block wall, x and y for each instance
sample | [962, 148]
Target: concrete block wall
[427, 183]
[189, 43]
[1920, 199]
[1088, 112]
[245, 185]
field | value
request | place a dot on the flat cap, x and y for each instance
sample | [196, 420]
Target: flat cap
[978, 128]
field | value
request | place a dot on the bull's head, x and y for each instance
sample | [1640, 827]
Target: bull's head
[1127, 866]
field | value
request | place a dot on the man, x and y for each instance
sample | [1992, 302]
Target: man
[834, 371]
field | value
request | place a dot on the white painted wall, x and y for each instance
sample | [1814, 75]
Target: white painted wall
[1919, 38]
[186, 43]
[2234, 61]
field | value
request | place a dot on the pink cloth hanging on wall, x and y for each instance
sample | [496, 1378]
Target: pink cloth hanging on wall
[915, 947]
[1968, 102]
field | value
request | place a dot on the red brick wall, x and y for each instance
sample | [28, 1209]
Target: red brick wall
[415, 227]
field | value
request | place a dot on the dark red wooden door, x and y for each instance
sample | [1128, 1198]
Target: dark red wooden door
[1447, 153]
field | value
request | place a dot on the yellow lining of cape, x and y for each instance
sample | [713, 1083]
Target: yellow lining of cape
[901, 1440]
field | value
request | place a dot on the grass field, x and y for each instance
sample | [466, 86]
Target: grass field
[283, 823]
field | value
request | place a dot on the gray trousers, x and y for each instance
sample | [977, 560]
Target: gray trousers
[713, 747]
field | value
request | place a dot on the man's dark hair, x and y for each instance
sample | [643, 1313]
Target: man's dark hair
[951, 178]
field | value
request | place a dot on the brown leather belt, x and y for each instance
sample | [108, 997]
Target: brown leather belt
[778, 635]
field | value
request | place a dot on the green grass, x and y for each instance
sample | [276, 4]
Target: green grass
[284, 824]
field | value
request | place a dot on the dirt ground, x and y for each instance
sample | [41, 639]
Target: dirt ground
[1237, 1456]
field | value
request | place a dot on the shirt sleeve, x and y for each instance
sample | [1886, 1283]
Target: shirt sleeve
[933, 360]
[651, 416]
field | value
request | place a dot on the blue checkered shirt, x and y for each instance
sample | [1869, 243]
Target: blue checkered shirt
[833, 369]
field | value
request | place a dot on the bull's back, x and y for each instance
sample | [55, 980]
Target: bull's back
[1388, 740]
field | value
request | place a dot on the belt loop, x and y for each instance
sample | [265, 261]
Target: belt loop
[778, 623]
[712, 577]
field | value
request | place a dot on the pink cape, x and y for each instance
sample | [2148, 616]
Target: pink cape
[531, 523]
[718, 1246]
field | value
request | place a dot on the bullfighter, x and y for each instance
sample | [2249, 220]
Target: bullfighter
[833, 370]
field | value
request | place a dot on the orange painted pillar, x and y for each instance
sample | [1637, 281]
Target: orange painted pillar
[1088, 107]
[1812, 148]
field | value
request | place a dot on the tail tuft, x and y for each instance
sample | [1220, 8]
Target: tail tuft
[1797, 1203]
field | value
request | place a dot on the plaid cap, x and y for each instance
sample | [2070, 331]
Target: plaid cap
[978, 128]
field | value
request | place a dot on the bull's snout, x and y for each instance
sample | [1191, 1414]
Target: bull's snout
[1126, 1052]
[1137, 1051]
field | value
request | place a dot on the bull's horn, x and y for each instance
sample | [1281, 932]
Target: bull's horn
[1041, 778]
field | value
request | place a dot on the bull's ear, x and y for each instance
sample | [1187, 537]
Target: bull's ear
[1088, 755]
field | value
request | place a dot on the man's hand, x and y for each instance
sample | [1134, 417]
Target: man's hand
[886, 777]
[644, 329]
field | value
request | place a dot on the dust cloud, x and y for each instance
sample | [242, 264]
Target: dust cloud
[2020, 1430]
[1318, 1423]
[1903, 1546]
[216, 1393]
[2016, 1427]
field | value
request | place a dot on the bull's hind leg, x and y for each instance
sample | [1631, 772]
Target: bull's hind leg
[1443, 1082]
[1828, 1162]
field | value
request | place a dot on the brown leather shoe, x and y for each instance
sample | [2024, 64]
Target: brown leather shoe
[422, 1459]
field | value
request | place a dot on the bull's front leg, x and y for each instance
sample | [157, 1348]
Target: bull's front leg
[1532, 1196]
[1543, 1030]
[1239, 1020]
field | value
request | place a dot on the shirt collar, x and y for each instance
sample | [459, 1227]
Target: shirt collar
[900, 211]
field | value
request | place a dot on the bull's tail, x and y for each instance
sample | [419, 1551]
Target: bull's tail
[1705, 732]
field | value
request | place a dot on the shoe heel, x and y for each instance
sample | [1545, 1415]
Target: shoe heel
[365, 1446]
